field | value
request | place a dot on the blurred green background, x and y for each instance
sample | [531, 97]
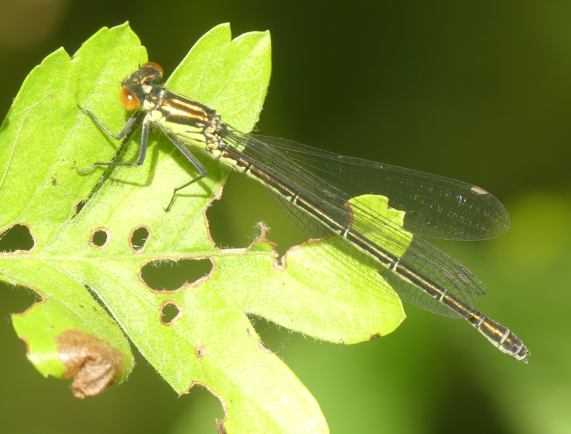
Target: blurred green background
[479, 91]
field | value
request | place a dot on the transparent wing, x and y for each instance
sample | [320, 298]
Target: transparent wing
[330, 191]
[436, 206]
[330, 259]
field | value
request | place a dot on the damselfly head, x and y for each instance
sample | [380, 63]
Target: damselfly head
[137, 85]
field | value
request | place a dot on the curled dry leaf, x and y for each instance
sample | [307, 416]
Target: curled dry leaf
[92, 363]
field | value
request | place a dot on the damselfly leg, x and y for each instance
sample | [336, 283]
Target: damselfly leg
[145, 129]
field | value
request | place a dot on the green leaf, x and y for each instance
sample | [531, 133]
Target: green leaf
[93, 297]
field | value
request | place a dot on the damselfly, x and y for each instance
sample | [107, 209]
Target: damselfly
[320, 183]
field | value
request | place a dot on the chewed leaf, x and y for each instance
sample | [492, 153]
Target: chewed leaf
[326, 289]
[95, 241]
[379, 205]
[38, 145]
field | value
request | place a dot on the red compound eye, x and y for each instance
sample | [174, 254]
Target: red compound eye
[128, 99]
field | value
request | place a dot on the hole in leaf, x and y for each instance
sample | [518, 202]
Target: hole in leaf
[170, 312]
[79, 206]
[139, 238]
[16, 298]
[99, 237]
[234, 218]
[169, 275]
[16, 238]
[211, 408]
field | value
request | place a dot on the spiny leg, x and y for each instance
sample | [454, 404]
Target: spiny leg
[126, 129]
[122, 134]
[202, 172]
